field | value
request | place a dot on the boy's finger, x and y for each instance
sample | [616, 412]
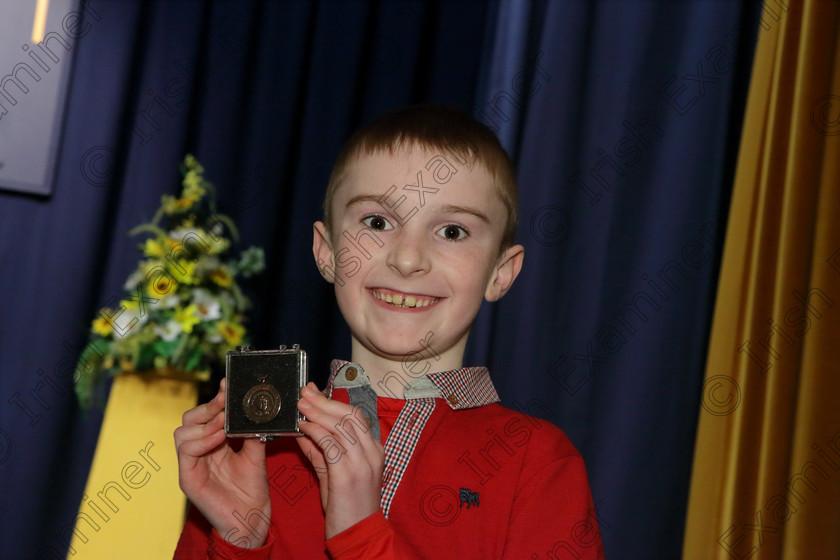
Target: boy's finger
[198, 447]
[188, 432]
[322, 424]
[319, 465]
[318, 400]
[313, 453]
[350, 444]
[358, 437]
[254, 449]
[314, 431]
[335, 422]
[373, 450]
[203, 413]
[334, 446]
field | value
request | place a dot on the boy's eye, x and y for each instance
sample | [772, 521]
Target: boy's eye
[452, 232]
[377, 222]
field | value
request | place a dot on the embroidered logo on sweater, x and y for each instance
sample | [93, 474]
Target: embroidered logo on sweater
[468, 497]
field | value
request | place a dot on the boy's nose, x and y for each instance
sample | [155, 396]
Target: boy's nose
[407, 254]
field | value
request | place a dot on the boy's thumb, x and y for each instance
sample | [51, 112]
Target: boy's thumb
[254, 449]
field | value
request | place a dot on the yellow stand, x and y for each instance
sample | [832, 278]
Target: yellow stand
[132, 507]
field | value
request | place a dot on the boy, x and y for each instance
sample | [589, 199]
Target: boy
[411, 457]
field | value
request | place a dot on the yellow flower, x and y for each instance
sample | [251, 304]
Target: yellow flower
[231, 332]
[101, 326]
[218, 245]
[222, 277]
[162, 285]
[185, 203]
[192, 186]
[186, 317]
[168, 203]
[183, 271]
[153, 248]
[158, 247]
[192, 164]
[172, 205]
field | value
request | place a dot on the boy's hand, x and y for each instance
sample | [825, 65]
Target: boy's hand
[348, 462]
[219, 481]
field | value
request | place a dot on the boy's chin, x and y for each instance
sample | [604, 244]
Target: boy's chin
[398, 346]
[410, 345]
[396, 351]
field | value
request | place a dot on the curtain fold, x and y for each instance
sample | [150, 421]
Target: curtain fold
[263, 93]
[767, 459]
[622, 118]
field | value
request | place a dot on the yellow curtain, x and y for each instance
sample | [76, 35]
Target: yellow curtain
[766, 475]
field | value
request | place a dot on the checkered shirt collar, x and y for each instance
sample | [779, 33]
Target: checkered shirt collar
[461, 388]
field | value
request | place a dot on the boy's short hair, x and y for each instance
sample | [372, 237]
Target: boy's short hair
[436, 128]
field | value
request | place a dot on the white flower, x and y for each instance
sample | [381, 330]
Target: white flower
[129, 315]
[169, 331]
[135, 278]
[181, 234]
[169, 301]
[208, 307]
[217, 230]
[207, 265]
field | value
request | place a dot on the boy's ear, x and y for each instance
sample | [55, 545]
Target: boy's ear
[505, 272]
[322, 251]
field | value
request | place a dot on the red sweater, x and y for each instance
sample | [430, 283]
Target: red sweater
[480, 481]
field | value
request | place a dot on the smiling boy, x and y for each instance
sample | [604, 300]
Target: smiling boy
[409, 436]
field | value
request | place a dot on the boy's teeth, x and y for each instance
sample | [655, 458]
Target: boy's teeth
[398, 300]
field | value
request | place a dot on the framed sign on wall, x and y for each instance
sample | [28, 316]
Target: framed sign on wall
[36, 58]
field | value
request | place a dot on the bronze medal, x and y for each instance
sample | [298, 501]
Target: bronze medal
[261, 402]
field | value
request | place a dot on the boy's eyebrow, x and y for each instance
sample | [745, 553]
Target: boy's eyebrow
[363, 198]
[448, 209]
[454, 209]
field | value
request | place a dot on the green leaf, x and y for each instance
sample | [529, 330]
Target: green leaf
[145, 357]
[251, 261]
[194, 359]
[148, 228]
[182, 340]
[165, 348]
[90, 368]
[93, 354]
[239, 298]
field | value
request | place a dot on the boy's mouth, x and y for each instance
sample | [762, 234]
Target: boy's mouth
[403, 300]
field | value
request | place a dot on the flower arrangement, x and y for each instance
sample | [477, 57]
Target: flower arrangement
[183, 309]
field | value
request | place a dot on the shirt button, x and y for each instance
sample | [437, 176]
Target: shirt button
[453, 399]
[350, 374]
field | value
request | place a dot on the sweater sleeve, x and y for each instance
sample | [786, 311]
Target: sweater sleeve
[200, 541]
[372, 538]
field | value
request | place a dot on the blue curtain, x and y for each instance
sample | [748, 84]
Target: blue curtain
[624, 157]
[624, 118]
